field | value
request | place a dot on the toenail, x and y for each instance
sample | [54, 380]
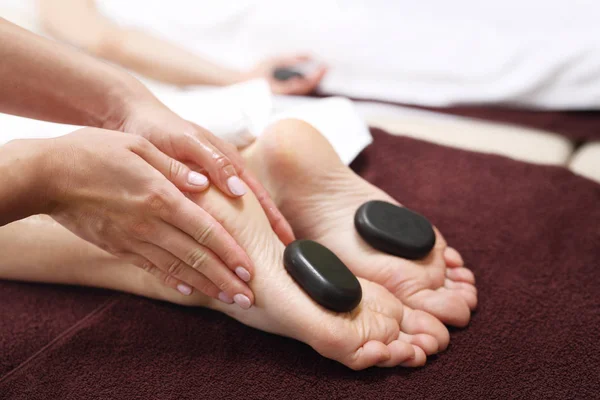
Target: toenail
[236, 186]
[184, 289]
[243, 274]
[225, 298]
[242, 301]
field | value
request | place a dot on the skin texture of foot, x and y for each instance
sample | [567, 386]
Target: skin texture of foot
[319, 196]
[379, 332]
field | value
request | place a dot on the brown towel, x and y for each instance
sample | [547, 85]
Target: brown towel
[530, 233]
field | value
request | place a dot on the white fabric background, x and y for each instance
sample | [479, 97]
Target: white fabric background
[539, 53]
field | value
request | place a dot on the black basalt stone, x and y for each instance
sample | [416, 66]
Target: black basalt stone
[283, 74]
[395, 230]
[322, 275]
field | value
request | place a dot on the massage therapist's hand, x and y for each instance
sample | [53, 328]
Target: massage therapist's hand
[121, 193]
[190, 143]
[43, 79]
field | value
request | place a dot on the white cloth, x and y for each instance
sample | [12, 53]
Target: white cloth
[238, 113]
[537, 53]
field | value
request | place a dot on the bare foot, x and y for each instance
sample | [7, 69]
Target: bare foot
[380, 331]
[319, 196]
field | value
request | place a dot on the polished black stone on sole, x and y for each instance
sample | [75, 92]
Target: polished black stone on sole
[283, 74]
[322, 275]
[395, 230]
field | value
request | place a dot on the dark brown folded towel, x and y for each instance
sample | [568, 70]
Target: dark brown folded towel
[530, 233]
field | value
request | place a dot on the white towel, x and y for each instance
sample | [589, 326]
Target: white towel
[238, 114]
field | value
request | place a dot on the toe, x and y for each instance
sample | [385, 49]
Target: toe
[444, 304]
[453, 258]
[470, 298]
[418, 360]
[456, 285]
[428, 343]
[371, 353]
[466, 290]
[416, 322]
[400, 351]
[460, 274]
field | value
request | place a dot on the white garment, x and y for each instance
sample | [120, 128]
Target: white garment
[536, 53]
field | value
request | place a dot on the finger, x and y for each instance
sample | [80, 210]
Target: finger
[225, 147]
[197, 147]
[205, 230]
[153, 270]
[169, 265]
[279, 224]
[182, 215]
[175, 171]
[186, 254]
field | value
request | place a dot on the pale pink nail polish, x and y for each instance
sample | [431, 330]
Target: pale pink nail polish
[225, 298]
[197, 179]
[184, 289]
[243, 274]
[236, 186]
[242, 301]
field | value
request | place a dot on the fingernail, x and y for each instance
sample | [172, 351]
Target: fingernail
[184, 289]
[197, 179]
[242, 301]
[224, 298]
[236, 186]
[243, 274]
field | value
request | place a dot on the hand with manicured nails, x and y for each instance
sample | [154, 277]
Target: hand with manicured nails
[121, 193]
[190, 143]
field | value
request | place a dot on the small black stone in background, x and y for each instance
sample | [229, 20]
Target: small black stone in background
[394, 230]
[322, 275]
[283, 74]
